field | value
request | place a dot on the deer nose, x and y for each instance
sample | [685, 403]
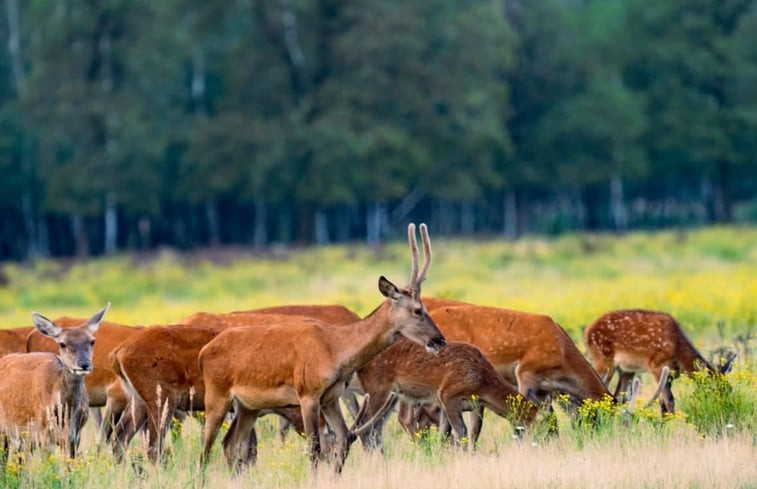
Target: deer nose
[85, 366]
[436, 344]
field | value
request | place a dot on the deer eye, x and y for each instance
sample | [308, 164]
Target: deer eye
[418, 312]
[62, 345]
[92, 343]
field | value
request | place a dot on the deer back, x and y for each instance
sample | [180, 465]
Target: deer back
[13, 340]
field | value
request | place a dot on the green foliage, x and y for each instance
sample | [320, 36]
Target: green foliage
[720, 404]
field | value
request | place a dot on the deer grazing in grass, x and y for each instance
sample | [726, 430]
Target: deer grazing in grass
[638, 340]
[43, 393]
[529, 350]
[307, 363]
[459, 378]
[159, 368]
[103, 385]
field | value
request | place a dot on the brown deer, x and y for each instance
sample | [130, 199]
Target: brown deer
[13, 340]
[306, 363]
[43, 393]
[638, 340]
[103, 385]
[459, 378]
[159, 368]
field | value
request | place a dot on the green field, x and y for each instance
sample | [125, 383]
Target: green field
[706, 278]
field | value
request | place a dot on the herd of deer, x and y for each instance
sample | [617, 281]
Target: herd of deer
[438, 357]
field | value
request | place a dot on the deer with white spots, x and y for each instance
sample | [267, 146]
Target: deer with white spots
[43, 394]
[637, 340]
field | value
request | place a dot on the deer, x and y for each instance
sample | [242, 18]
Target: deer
[459, 379]
[43, 393]
[307, 363]
[529, 350]
[103, 385]
[13, 340]
[637, 340]
[159, 369]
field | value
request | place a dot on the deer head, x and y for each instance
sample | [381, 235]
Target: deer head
[407, 312]
[76, 344]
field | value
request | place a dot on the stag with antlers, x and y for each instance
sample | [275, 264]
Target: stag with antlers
[307, 363]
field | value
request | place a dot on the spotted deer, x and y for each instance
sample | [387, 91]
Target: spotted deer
[458, 379]
[638, 340]
[43, 394]
[307, 363]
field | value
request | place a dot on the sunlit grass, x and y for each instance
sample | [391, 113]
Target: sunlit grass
[703, 277]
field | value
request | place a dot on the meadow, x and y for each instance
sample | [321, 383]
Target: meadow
[706, 278]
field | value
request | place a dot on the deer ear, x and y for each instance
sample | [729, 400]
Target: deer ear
[45, 326]
[94, 321]
[388, 289]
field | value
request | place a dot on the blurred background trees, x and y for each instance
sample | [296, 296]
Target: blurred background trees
[136, 124]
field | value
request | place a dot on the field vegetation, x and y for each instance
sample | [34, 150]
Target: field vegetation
[706, 278]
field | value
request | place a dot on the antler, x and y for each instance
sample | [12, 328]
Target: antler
[368, 425]
[660, 385]
[427, 252]
[414, 250]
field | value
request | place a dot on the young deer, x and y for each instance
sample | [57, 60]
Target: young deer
[44, 393]
[459, 378]
[638, 340]
[306, 363]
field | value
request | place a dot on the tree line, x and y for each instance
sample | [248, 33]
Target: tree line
[131, 124]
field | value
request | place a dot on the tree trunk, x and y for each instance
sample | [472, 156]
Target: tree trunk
[111, 223]
[510, 213]
[376, 218]
[211, 214]
[467, 218]
[81, 239]
[618, 210]
[260, 236]
[321, 223]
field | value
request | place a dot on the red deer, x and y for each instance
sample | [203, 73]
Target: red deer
[159, 367]
[13, 340]
[306, 363]
[459, 378]
[103, 385]
[43, 393]
[638, 340]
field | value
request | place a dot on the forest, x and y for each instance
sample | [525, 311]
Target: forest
[136, 124]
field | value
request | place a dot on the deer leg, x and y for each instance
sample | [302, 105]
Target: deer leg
[453, 408]
[624, 382]
[344, 438]
[667, 401]
[96, 415]
[133, 420]
[476, 423]
[240, 445]
[374, 439]
[159, 416]
[311, 417]
[216, 407]
[284, 425]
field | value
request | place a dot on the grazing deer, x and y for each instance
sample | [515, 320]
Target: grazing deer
[13, 340]
[159, 368]
[307, 363]
[638, 340]
[103, 385]
[459, 378]
[44, 393]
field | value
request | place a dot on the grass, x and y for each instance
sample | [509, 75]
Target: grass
[704, 277]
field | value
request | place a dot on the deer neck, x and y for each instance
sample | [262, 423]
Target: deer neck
[690, 360]
[71, 392]
[360, 342]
